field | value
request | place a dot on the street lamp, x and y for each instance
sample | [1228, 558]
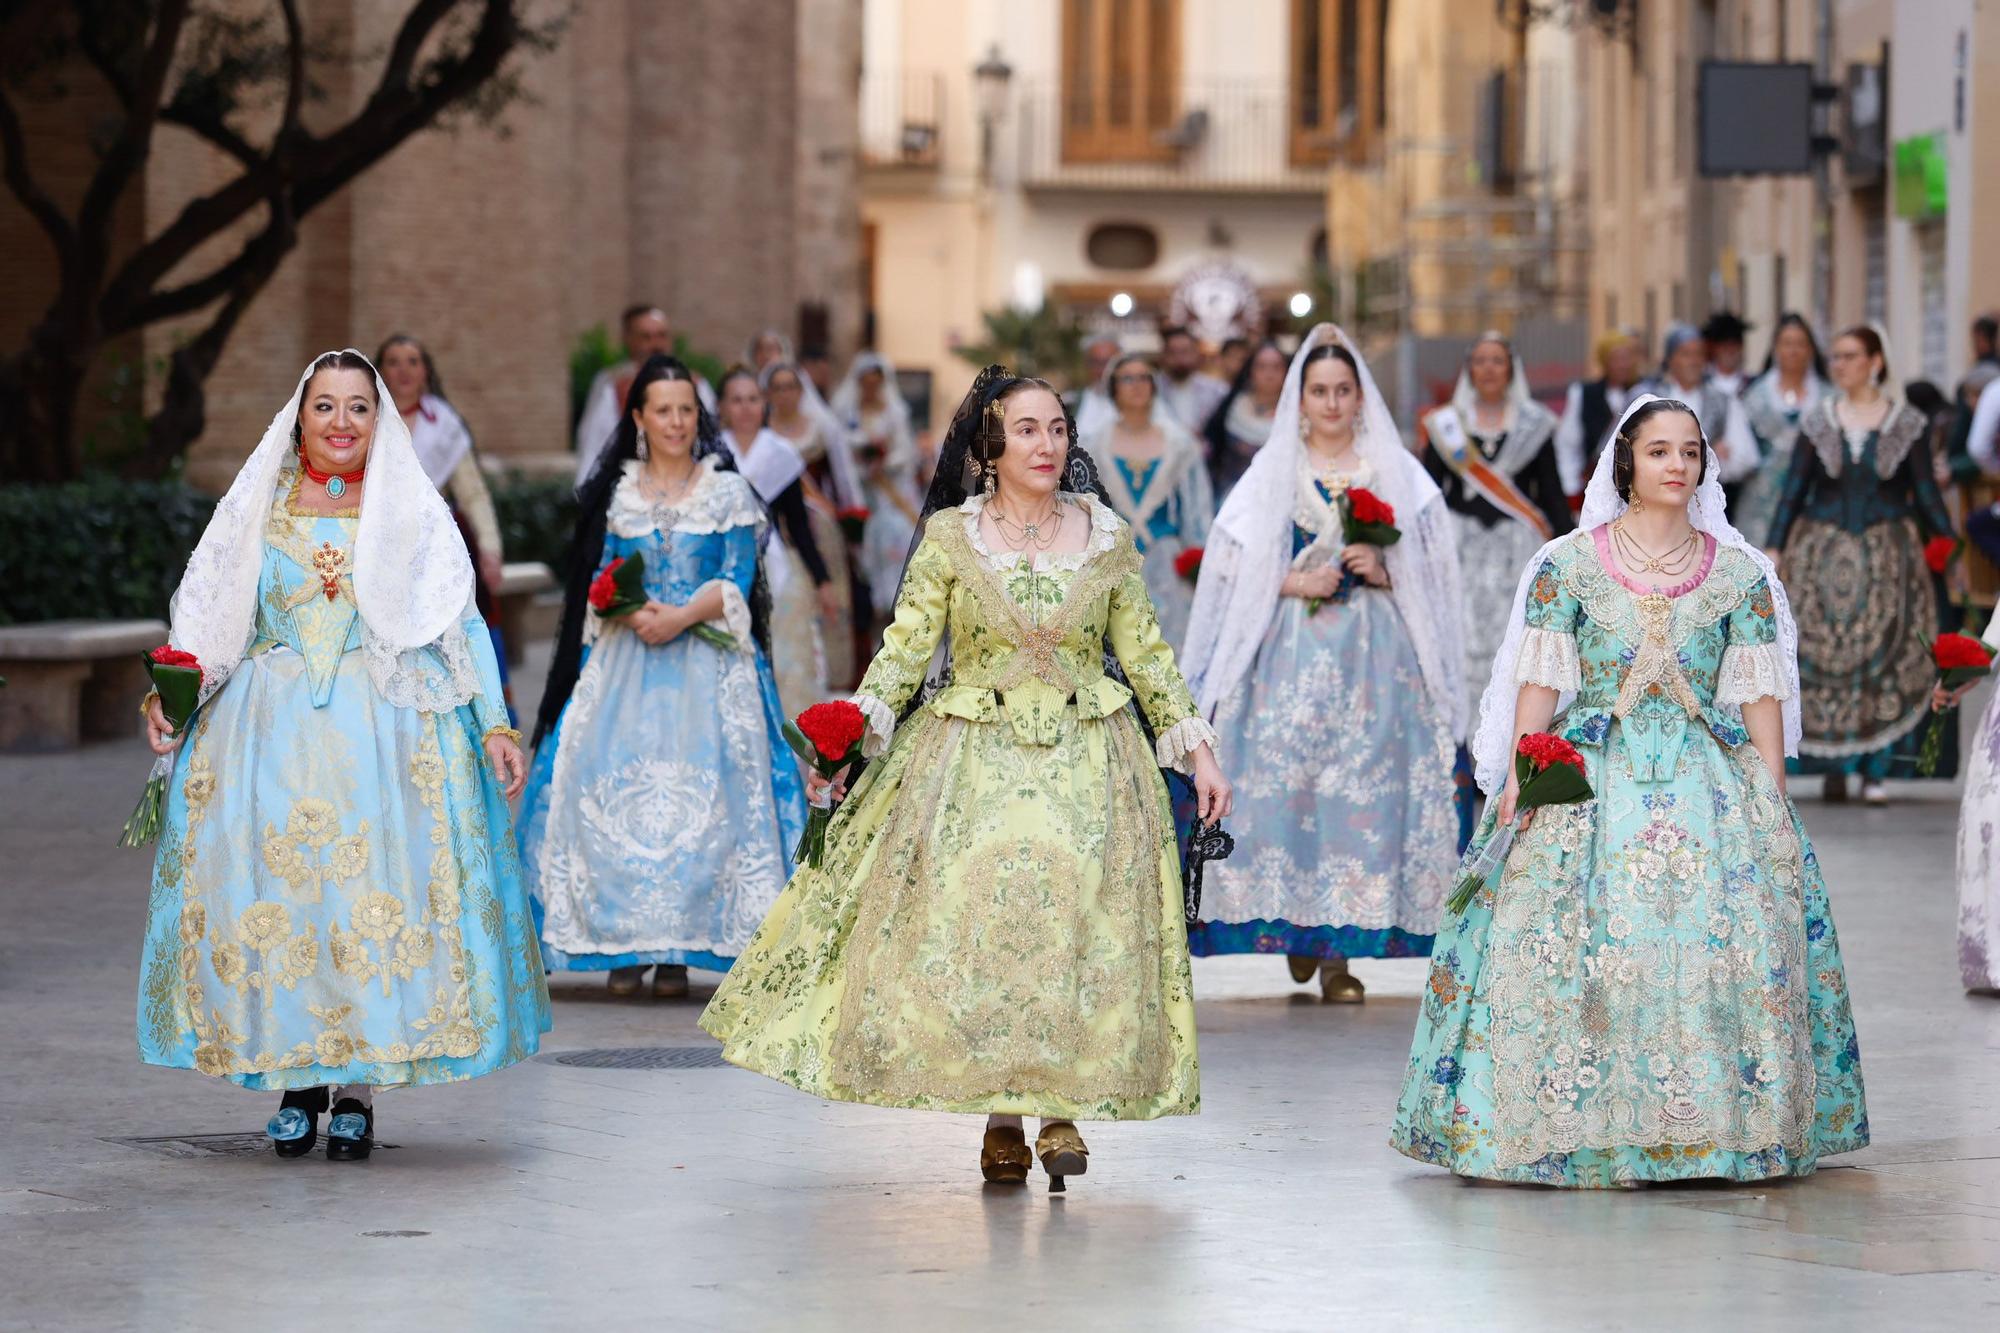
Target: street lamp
[989, 79]
[1301, 305]
[1121, 304]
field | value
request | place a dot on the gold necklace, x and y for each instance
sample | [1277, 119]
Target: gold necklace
[663, 495]
[1673, 562]
[1031, 533]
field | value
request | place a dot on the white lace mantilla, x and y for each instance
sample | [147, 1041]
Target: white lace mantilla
[881, 725]
[717, 502]
[1752, 671]
[1104, 527]
[1549, 659]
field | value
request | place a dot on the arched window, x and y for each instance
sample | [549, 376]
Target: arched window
[1124, 246]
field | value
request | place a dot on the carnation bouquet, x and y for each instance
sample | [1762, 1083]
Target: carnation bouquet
[1548, 771]
[620, 589]
[177, 680]
[1188, 564]
[1366, 519]
[826, 738]
[1961, 659]
[853, 521]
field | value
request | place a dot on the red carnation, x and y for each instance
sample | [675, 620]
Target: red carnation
[1544, 748]
[1188, 563]
[1939, 551]
[833, 728]
[166, 655]
[1365, 506]
[604, 588]
[1953, 651]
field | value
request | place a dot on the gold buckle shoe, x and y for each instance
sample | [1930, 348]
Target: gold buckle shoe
[1063, 1153]
[1003, 1158]
[1339, 986]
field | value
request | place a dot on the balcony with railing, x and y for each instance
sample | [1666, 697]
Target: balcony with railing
[1229, 136]
[903, 121]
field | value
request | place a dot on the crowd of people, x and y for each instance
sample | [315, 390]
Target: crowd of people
[1074, 636]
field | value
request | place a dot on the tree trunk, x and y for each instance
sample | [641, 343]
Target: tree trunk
[39, 389]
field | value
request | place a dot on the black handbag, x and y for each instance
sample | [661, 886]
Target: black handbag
[1208, 842]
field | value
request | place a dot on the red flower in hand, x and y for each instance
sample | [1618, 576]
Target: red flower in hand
[1188, 563]
[168, 655]
[1367, 507]
[1544, 748]
[1953, 651]
[603, 592]
[1938, 552]
[833, 728]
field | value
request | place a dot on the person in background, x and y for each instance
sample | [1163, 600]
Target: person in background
[1858, 501]
[871, 408]
[1229, 361]
[647, 333]
[1592, 406]
[1984, 370]
[1241, 423]
[1723, 333]
[1793, 382]
[1684, 377]
[1091, 407]
[1192, 394]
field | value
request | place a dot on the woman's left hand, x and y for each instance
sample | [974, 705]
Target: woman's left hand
[490, 570]
[1364, 561]
[1214, 799]
[510, 766]
[656, 623]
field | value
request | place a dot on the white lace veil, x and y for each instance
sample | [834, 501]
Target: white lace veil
[839, 450]
[1521, 404]
[412, 575]
[1493, 743]
[1249, 551]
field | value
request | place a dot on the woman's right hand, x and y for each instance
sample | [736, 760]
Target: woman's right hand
[1510, 800]
[823, 790]
[1941, 698]
[1322, 582]
[656, 623]
[159, 732]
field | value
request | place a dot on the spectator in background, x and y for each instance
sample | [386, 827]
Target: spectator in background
[1241, 422]
[1724, 335]
[1985, 369]
[1684, 376]
[647, 333]
[1982, 436]
[1192, 394]
[1229, 361]
[1593, 406]
[1090, 406]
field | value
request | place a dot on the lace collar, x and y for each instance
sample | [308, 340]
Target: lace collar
[717, 501]
[1104, 526]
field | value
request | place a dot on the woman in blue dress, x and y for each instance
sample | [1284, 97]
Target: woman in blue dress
[1157, 481]
[1776, 403]
[1649, 987]
[336, 904]
[1332, 672]
[663, 804]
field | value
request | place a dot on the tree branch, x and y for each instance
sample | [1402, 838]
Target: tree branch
[128, 151]
[21, 180]
[259, 254]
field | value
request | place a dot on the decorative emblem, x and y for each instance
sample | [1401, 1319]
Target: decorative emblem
[330, 562]
[1217, 301]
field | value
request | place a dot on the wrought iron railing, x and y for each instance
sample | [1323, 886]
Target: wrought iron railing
[1230, 135]
[903, 120]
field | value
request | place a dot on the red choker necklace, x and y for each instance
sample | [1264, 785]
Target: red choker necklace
[336, 483]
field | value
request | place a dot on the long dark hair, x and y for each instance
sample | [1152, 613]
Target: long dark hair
[1623, 463]
[1792, 319]
[587, 547]
[1216, 429]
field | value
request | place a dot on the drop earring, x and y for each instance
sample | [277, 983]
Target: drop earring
[644, 449]
[987, 478]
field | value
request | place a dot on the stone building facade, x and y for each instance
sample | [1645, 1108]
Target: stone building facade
[701, 156]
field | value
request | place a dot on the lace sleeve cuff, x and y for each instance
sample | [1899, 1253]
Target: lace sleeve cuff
[1752, 671]
[735, 614]
[881, 725]
[1548, 658]
[1182, 739]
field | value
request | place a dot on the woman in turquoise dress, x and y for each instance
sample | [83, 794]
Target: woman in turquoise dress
[663, 804]
[336, 904]
[1332, 672]
[1649, 987]
[1154, 473]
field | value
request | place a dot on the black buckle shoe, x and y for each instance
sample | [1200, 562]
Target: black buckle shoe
[294, 1130]
[350, 1135]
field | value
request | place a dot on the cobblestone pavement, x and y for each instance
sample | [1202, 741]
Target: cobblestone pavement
[579, 1195]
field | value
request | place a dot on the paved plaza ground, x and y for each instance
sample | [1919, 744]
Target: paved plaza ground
[557, 1195]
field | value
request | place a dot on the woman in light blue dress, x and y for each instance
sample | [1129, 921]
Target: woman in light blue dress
[336, 903]
[1156, 478]
[1776, 403]
[663, 804]
[1649, 987]
[1332, 672]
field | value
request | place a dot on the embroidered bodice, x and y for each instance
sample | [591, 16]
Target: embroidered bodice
[1028, 633]
[711, 534]
[1878, 476]
[1162, 520]
[1646, 662]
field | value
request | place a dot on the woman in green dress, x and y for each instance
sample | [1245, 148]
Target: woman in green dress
[1650, 987]
[996, 925]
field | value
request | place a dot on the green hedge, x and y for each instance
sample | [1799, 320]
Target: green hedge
[98, 549]
[108, 549]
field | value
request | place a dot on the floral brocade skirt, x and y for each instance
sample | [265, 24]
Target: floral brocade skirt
[1347, 810]
[995, 927]
[1979, 857]
[336, 896]
[1652, 990]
